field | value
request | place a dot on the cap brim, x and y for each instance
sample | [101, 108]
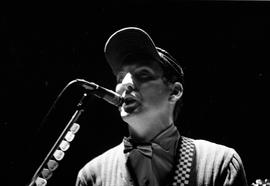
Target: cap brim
[127, 41]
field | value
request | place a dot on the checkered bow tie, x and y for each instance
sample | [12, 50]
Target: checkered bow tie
[143, 148]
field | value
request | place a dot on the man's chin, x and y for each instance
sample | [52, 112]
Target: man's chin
[129, 111]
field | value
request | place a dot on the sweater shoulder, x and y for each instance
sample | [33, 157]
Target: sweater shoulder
[207, 147]
[107, 156]
[103, 164]
[213, 160]
[214, 154]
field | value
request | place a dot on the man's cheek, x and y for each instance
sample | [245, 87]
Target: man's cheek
[154, 97]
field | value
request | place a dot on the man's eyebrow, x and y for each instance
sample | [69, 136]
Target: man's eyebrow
[145, 68]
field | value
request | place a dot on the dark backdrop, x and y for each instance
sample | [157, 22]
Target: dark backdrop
[223, 48]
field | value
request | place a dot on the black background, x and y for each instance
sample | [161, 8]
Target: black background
[223, 48]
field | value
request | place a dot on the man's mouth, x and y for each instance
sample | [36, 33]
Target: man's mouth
[130, 104]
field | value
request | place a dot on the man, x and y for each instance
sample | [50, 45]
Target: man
[155, 153]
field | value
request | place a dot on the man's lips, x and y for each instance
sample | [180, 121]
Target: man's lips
[129, 100]
[130, 104]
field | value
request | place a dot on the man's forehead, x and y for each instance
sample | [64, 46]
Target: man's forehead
[139, 63]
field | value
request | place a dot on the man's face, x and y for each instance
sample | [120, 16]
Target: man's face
[142, 85]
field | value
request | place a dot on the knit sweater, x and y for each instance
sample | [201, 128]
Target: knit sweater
[214, 164]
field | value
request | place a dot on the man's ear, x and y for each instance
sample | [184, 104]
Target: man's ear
[176, 91]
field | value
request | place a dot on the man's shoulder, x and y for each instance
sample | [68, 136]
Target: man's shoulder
[98, 163]
[207, 147]
[111, 155]
[101, 165]
[208, 152]
[108, 155]
[213, 159]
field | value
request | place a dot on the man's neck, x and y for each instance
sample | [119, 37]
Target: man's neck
[146, 131]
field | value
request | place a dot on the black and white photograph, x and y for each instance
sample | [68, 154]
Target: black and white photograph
[135, 93]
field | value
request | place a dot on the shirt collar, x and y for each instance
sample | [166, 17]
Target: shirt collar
[159, 167]
[168, 139]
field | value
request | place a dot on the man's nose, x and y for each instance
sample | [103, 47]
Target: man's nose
[127, 85]
[127, 80]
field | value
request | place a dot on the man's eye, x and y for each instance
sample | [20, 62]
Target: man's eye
[144, 75]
